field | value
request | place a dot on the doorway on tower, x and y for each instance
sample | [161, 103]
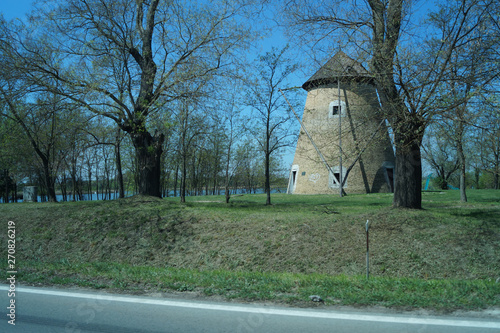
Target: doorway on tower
[292, 183]
[390, 178]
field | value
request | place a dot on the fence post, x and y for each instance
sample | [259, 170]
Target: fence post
[367, 250]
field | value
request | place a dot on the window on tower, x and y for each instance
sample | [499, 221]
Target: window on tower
[334, 177]
[336, 108]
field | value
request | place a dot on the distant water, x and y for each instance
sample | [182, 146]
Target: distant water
[113, 196]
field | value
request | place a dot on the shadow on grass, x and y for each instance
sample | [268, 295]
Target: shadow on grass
[482, 215]
[485, 222]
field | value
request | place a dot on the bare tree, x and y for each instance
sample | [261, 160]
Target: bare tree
[487, 143]
[15, 157]
[123, 59]
[247, 165]
[233, 131]
[273, 116]
[45, 123]
[190, 127]
[440, 152]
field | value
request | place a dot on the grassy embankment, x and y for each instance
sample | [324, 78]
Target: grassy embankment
[444, 257]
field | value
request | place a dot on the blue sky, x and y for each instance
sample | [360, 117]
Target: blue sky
[15, 9]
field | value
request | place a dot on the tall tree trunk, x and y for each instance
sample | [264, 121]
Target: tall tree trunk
[176, 179]
[119, 173]
[267, 151]
[226, 193]
[148, 153]
[226, 185]
[444, 178]
[408, 126]
[74, 181]
[49, 180]
[408, 179]
[268, 181]
[97, 182]
[167, 183]
[408, 135]
[496, 176]
[477, 173]
[463, 184]
[6, 183]
[461, 157]
[215, 181]
[182, 189]
[89, 185]
[62, 185]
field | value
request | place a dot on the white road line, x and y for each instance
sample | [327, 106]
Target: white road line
[268, 311]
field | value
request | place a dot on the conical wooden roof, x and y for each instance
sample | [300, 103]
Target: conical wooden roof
[340, 66]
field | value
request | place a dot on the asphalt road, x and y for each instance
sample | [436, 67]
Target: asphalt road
[41, 310]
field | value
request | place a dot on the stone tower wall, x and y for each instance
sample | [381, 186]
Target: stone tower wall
[361, 118]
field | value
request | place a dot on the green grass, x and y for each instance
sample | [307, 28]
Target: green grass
[403, 293]
[443, 257]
